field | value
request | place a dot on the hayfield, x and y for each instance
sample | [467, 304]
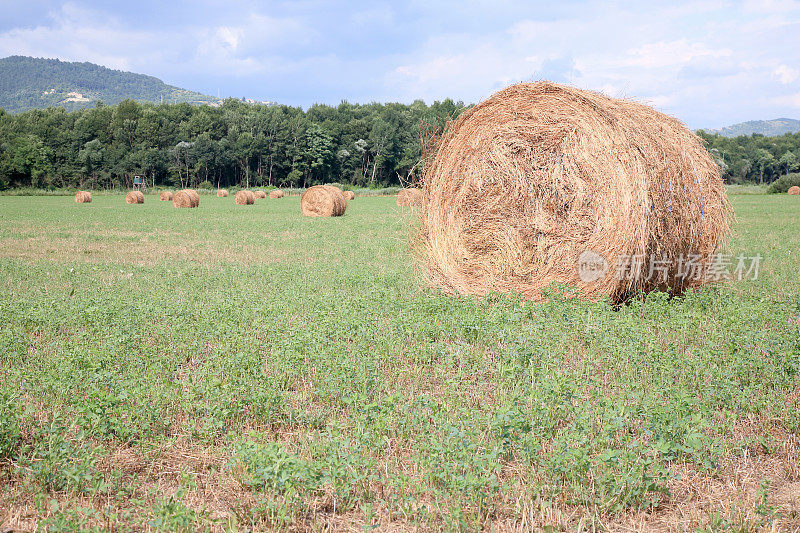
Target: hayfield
[244, 367]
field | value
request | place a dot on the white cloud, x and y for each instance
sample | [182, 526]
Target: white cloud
[670, 54]
[702, 61]
[77, 34]
[229, 37]
[786, 74]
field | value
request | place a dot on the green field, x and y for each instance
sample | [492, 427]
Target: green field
[244, 367]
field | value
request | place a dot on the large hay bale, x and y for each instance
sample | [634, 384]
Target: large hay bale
[134, 197]
[259, 195]
[409, 197]
[323, 201]
[344, 195]
[222, 193]
[83, 197]
[349, 195]
[546, 183]
[794, 189]
[186, 198]
[165, 196]
[244, 198]
[276, 194]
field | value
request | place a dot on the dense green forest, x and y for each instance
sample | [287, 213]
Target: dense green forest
[754, 158]
[370, 145]
[234, 144]
[30, 82]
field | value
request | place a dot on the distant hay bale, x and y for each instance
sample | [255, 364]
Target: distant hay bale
[186, 198]
[83, 197]
[165, 196]
[794, 189]
[244, 198]
[134, 197]
[323, 201]
[349, 195]
[276, 194]
[409, 197]
[195, 196]
[545, 183]
[259, 194]
[222, 193]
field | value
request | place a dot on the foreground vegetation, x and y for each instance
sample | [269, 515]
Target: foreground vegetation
[244, 367]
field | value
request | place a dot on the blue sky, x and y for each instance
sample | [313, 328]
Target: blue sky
[710, 63]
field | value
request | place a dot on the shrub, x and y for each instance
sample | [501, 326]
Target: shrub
[782, 184]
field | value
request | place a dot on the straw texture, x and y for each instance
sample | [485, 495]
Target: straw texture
[186, 198]
[244, 198]
[134, 197]
[323, 201]
[83, 197]
[409, 197]
[525, 183]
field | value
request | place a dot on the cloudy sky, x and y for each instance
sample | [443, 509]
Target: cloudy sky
[710, 63]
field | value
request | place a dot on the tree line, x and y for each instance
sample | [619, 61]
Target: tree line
[235, 144]
[754, 158]
[242, 144]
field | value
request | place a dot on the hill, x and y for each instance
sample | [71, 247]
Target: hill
[29, 82]
[768, 128]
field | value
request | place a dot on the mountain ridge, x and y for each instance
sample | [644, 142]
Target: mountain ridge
[767, 128]
[31, 83]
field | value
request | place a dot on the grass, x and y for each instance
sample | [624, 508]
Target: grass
[746, 189]
[235, 367]
[359, 191]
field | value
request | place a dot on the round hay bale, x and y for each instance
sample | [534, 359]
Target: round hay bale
[244, 198]
[276, 194]
[409, 197]
[165, 196]
[195, 197]
[323, 201]
[344, 195]
[134, 197]
[349, 195]
[185, 198]
[794, 189]
[545, 183]
[259, 195]
[222, 193]
[83, 197]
